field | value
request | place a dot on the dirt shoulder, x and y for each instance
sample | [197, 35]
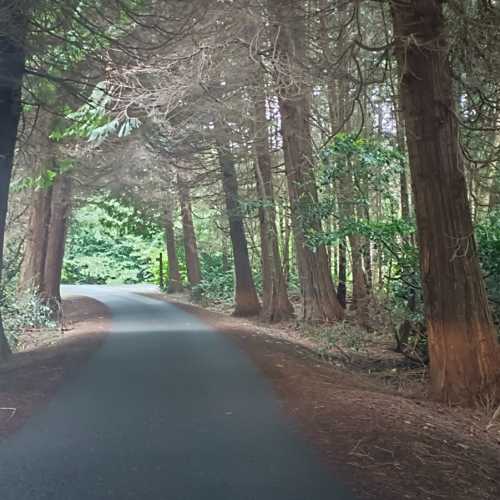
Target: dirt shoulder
[31, 377]
[384, 444]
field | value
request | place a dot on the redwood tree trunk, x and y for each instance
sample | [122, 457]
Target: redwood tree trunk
[320, 299]
[12, 59]
[464, 358]
[56, 240]
[190, 244]
[35, 247]
[276, 305]
[174, 284]
[245, 297]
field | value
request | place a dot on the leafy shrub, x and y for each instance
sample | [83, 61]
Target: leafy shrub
[488, 238]
[218, 278]
[23, 312]
[110, 243]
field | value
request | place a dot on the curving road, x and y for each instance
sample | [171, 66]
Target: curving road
[167, 409]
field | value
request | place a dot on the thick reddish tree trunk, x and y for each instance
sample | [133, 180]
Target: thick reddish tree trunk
[190, 244]
[12, 59]
[174, 283]
[245, 294]
[56, 240]
[276, 305]
[320, 299]
[35, 247]
[464, 359]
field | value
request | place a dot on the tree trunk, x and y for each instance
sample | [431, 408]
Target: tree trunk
[348, 214]
[319, 296]
[342, 288]
[35, 246]
[56, 240]
[401, 143]
[245, 294]
[265, 249]
[363, 212]
[347, 208]
[494, 188]
[174, 284]
[464, 360]
[276, 306]
[287, 233]
[190, 244]
[337, 104]
[403, 178]
[12, 59]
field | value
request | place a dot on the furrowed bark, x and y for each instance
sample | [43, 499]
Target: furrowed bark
[35, 247]
[464, 359]
[190, 243]
[174, 283]
[276, 305]
[56, 240]
[245, 297]
[12, 60]
[319, 296]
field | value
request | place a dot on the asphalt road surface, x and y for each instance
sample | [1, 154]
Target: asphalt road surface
[166, 409]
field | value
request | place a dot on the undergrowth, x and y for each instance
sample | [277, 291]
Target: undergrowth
[24, 312]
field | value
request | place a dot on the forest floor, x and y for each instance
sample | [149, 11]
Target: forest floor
[384, 437]
[31, 377]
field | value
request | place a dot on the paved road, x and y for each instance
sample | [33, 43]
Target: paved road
[167, 409]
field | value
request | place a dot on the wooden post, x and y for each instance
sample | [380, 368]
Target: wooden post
[160, 260]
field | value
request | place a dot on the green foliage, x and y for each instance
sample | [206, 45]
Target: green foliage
[23, 312]
[488, 238]
[43, 181]
[92, 121]
[373, 160]
[218, 278]
[110, 242]
[375, 167]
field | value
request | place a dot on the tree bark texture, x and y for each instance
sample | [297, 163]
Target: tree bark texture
[348, 213]
[319, 296]
[190, 243]
[12, 60]
[56, 240]
[276, 305]
[464, 360]
[174, 283]
[245, 294]
[35, 247]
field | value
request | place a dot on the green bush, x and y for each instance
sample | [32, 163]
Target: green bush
[109, 243]
[218, 278]
[23, 312]
[488, 239]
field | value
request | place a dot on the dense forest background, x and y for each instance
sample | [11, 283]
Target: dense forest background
[324, 162]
